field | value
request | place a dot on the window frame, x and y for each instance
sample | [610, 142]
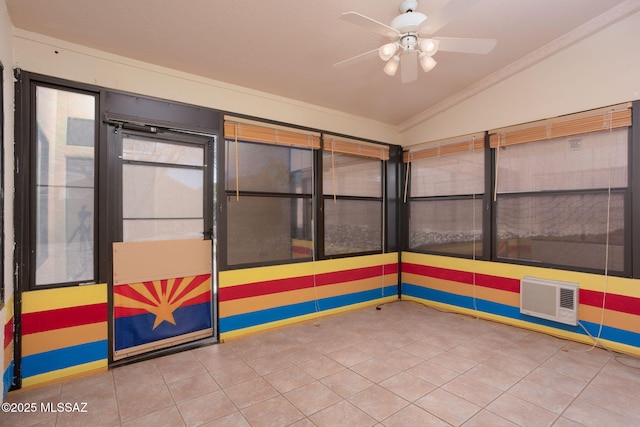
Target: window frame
[484, 197]
[270, 131]
[328, 197]
[25, 211]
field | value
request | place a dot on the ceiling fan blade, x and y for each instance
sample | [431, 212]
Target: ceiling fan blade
[409, 66]
[355, 59]
[463, 45]
[369, 24]
[449, 12]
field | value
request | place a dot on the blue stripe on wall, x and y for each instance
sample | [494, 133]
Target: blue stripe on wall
[608, 333]
[255, 318]
[7, 379]
[62, 358]
[131, 331]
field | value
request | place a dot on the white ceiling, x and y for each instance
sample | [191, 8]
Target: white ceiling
[288, 47]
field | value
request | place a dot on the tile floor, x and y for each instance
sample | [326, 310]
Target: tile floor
[402, 365]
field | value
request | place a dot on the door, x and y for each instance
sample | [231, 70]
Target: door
[163, 277]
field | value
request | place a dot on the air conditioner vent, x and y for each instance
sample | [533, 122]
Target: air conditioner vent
[549, 299]
[566, 298]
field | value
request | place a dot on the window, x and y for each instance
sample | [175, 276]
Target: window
[353, 196]
[446, 196]
[562, 191]
[162, 191]
[64, 190]
[269, 187]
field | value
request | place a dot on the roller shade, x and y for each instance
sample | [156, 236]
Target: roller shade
[355, 148]
[252, 131]
[443, 147]
[613, 117]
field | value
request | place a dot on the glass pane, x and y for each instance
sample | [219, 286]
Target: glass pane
[65, 177]
[593, 160]
[345, 175]
[264, 229]
[446, 226]
[352, 226]
[568, 230]
[268, 168]
[450, 175]
[161, 192]
[161, 229]
[144, 150]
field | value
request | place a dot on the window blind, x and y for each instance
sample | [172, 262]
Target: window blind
[355, 148]
[252, 131]
[606, 118]
[443, 147]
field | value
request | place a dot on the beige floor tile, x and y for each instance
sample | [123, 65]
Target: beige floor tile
[494, 377]
[235, 419]
[485, 418]
[152, 399]
[546, 397]
[521, 412]
[472, 390]
[448, 407]
[189, 388]
[312, 397]
[376, 370]
[349, 356]
[407, 386]
[378, 402]
[288, 379]
[250, 392]
[346, 383]
[320, 367]
[548, 378]
[590, 415]
[433, 373]
[621, 403]
[413, 416]
[453, 362]
[206, 408]
[274, 412]
[342, 413]
[165, 417]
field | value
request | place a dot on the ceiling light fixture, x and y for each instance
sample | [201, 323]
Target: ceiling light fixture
[392, 66]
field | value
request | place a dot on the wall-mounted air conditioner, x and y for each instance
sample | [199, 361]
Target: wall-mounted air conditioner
[549, 299]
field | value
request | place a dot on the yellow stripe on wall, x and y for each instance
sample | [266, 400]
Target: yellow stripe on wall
[61, 338]
[8, 356]
[276, 272]
[593, 282]
[247, 305]
[67, 373]
[457, 288]
[53, 299]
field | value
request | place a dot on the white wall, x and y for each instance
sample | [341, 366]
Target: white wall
[7, 61]
[37, 53]
[601, 70]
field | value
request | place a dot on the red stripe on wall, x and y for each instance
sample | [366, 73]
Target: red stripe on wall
[301, 282]
[8, 332]
[63, 318]
[128, 311]
[485, 280]
[614, 302]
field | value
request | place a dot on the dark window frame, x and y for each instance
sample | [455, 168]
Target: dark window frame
[382, 199]
[484, 220]
[26, 134]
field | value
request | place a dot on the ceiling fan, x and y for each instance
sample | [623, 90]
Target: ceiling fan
[412, 40]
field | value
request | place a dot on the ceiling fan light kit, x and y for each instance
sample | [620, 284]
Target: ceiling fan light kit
[412, 32]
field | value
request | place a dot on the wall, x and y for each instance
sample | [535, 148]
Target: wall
[256, 299]
[6, 313]
[598, 71]
[492, 291]
[44, 55]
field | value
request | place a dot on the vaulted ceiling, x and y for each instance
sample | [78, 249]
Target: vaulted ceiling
[288, 47]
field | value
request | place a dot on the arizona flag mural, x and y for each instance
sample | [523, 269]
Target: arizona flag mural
[148, 312]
